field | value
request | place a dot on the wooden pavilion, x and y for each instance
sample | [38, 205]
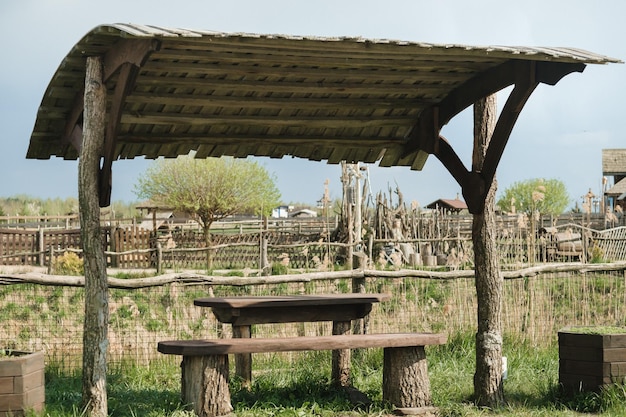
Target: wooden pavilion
[126, 91]
[171, 91]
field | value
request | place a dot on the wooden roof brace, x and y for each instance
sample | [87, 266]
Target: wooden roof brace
[126, 57]
[475, 184]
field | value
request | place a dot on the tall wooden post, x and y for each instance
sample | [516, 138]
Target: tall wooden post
[95, 337]
[488, 389]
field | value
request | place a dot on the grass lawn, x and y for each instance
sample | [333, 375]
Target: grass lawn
[301, 388]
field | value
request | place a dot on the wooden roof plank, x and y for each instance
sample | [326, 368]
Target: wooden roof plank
[276, 95]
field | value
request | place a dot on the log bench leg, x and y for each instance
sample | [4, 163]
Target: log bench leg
[405, 377]
[204, 386]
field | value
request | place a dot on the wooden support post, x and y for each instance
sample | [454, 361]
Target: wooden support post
[359, 326]
[42, 255]
[159, 258]
[204, 385]
[95, 330]
[488, 387]
[51, 260]
[115, 259]
[341, 358]
[405, 377]
[243, 361]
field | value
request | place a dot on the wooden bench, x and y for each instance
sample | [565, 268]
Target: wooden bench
[205, 367]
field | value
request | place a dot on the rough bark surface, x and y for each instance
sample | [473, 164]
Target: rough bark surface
[488, 390]
[95, 337]
[243, 361]
[405, 377]
[341, 357]
[204, 385]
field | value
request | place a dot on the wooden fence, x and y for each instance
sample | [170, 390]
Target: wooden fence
[236, 247]
[43, 312]
[136, 248]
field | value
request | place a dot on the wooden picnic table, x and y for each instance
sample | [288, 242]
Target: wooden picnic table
[244, 311]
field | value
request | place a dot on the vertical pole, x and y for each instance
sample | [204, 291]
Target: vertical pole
[341, 357]
[95, 335]
[488, 389]
[243, 361]
[42, 255]
[159, 258]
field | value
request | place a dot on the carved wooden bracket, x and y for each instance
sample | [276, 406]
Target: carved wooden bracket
[125, 58]
[425, 136]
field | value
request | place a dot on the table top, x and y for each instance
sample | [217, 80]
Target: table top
[278, 301]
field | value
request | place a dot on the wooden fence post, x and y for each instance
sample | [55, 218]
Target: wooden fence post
[159, 258]
[114, 247]
[51, 262]
[42, 256]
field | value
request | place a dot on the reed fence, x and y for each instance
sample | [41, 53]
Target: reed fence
[42, 312]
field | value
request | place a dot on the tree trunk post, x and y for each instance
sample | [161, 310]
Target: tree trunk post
[95, 336]
[243, 361]
[341, 357]
[41, 241]
[204, 385]
[159, 258]
[405, 377]
[51, 260]
[488, 389]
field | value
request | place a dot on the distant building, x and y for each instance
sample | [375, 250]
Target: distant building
[449, 206]
[281, 212]
[304, 213]
[614, 170]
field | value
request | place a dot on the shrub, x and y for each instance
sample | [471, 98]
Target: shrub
[68, 264]
[597, 254]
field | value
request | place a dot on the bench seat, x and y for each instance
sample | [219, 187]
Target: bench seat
[205, 365]
[289, 344]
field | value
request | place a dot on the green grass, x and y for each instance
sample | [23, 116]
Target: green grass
[302, 387]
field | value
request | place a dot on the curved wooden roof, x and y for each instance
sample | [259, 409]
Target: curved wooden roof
[172, 91]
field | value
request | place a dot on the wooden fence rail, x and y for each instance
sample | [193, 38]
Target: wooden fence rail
[45, 312]
[135, 248]
[197, 278]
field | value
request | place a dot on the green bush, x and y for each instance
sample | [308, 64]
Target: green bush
[68, 264]
[597, 254]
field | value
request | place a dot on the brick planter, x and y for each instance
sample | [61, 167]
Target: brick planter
[590, 359]
[21, 383]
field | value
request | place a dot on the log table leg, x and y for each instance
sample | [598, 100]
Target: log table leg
[405, 377]
[341, 358]
[204, 385]
[243, 361]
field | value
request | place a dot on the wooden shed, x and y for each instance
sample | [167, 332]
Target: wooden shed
[614, 165]
[455, 205]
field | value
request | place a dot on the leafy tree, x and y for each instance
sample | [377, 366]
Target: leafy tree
[209, 189]
[547, 196]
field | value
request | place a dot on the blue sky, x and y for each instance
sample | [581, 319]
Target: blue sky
[560, 134]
